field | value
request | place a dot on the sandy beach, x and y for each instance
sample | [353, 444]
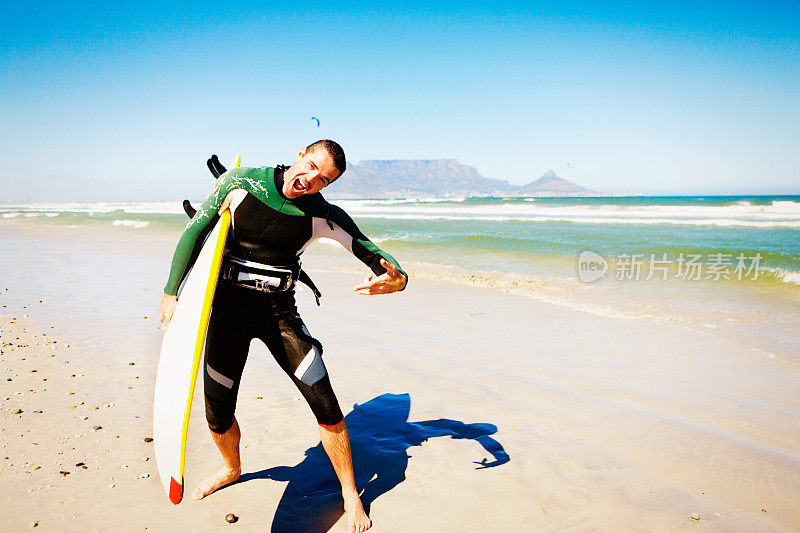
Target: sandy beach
[470, 409]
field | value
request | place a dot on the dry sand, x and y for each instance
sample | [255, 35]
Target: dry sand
[477, 411]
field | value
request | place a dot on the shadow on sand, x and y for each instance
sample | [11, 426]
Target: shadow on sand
[380, 434]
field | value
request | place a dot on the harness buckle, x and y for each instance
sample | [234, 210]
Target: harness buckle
[258, 276]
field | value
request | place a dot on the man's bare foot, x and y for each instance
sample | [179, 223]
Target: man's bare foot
[357, 519]
[224, 477]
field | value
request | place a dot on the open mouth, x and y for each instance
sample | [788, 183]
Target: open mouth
[297, 186]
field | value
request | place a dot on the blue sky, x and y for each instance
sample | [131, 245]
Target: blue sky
[102, 101]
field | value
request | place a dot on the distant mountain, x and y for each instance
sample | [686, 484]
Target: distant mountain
[551, 185]
[403, 178]
[442, 178]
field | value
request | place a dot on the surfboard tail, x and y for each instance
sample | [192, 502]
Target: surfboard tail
[175, 491]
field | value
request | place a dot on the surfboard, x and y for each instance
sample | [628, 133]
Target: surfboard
[181, 352]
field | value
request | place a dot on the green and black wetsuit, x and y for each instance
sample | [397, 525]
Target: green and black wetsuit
[266, 228]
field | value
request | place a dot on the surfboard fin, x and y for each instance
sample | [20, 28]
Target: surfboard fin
[216, 168]
[187, 206]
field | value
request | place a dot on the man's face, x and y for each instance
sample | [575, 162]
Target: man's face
[310, 173]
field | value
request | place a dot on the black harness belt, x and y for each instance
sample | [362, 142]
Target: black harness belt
[266, 278]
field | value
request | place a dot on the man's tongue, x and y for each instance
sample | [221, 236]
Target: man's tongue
[297, 186]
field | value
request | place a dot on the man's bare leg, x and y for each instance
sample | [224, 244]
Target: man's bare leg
[336, 442]
[228, 444]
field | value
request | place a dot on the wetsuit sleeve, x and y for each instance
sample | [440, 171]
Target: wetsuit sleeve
[197, 228]
[348, 235]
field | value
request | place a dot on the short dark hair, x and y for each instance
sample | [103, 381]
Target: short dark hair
[334, 150]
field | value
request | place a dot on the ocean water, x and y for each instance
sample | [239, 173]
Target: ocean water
[729, 265]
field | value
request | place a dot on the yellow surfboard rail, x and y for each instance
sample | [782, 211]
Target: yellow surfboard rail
[224, 222]
[224, 225]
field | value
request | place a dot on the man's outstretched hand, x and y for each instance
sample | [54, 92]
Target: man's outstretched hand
[390, 281]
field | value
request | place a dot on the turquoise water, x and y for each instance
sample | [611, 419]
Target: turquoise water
[527, 236]
[535, 235]
[532, 246]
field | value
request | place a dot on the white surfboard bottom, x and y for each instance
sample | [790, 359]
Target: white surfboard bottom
[178, 362]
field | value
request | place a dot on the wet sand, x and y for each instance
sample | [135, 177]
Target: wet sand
[476, 410]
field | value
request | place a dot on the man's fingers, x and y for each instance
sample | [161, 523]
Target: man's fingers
[383, 284]
[376, 287]
[368, 280]
[390, 268]
[168, 304]
[371, 281]
[371, 289]
[165, 318]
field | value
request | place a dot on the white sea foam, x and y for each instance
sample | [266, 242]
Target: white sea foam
[166, 208]
[174, 207]
[742, 213]
[591, 220]
[136, 224]
[783, 214]
[786, 276]
[778, 214]
[349, 204]
[786, 204]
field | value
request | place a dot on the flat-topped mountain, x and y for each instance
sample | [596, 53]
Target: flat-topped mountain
[444, 178]
[413, 177]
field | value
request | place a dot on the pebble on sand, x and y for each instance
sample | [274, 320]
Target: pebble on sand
[231, 518]
[694, 516]
[148, 439]
[63, 473]
[34, 524]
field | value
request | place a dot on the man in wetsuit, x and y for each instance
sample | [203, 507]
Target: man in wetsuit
[276, 214]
